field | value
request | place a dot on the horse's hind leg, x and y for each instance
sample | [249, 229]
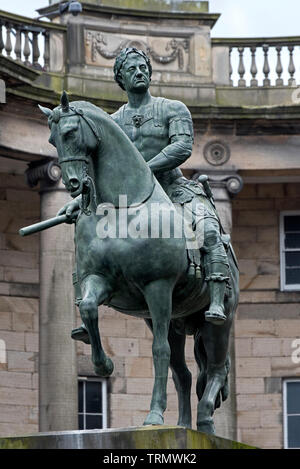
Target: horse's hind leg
[182, 377]
[215, 340]
[95, 291]
[158, 295]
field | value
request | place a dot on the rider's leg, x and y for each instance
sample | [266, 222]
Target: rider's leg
[216, 270]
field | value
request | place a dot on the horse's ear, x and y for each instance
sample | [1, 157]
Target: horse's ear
[45, 110]
[64, 101]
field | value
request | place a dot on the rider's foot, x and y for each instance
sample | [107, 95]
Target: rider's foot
[81, 333]
[215, 315]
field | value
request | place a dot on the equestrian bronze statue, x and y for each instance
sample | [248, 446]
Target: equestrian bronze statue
[117, 169]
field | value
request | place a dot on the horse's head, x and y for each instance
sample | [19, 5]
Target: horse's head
[76, 138]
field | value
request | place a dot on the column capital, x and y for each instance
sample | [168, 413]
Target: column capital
[229, 180]
[46, 171]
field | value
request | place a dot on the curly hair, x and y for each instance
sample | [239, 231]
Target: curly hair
[121, 58]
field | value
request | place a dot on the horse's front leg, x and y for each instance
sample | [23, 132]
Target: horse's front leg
[95, 291]
[158, 295]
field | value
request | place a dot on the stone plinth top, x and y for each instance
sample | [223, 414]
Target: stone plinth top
[162, 5]
[150, 437]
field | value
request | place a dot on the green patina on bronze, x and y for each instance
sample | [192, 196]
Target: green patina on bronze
[178, 291]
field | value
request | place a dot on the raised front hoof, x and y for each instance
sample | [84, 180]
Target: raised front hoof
[80, 333]
[206, 426]
[215, 318]
[104, 369]
[154, 418]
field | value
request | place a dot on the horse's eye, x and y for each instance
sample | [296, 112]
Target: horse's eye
[69, 133]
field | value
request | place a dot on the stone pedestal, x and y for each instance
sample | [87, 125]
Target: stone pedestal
[150, 438]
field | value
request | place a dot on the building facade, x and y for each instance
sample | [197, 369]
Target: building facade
[243, 97]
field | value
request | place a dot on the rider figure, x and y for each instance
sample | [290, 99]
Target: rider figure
[162, 130]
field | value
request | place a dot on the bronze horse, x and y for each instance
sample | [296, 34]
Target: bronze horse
[141, 276]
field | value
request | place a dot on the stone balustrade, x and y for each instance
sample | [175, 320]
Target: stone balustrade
[262, 62]
[27, 41]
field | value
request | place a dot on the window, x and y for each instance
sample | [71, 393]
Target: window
[92, 403]
[290, 250]
[291, 406]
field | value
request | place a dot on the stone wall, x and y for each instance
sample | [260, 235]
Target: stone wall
[268, 320]
[19, 257]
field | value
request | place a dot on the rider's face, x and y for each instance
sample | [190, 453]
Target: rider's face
[135, 74]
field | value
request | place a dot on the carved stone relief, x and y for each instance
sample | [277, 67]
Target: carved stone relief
[171, 54]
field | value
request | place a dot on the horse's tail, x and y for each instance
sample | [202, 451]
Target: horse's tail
[201, 359]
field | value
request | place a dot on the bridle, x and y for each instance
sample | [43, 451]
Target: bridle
[86, 179]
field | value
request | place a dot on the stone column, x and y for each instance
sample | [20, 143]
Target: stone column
[224, 187]
[58, 405]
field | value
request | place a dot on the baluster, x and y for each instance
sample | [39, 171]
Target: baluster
[279, 69]
[1, 39]
[18, 44]
[35, 50]
[8, 44]
[46, 50]
[241, 69]
[292, 69]
[266, 68]
[230, 68]
[26, 50]
[253, 70]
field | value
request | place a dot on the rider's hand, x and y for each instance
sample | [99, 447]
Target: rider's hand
[69, 208]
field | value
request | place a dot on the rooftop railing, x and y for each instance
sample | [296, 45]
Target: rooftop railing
[262, 62]
[27, 41]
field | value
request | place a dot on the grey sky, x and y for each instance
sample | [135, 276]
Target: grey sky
[239, 17]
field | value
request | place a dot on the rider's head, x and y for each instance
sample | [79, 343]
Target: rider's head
[121, 59]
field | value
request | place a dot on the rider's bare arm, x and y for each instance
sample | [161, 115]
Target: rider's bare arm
[181, 139]
[70, 207]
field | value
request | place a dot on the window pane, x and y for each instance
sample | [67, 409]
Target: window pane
[293, 398]
[292, 223]
[93, 421]
[292, 276]
[93, 398]
[292, 259]
[292, 240]
[294, 431]
[80, 396]
[80, 422]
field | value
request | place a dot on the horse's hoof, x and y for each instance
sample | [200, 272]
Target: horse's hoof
[206, 426]
[80, 333]
[154, 418]
[104, 369]
[217, 319]
[183, 424]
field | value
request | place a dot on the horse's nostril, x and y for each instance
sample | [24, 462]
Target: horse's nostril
[74, 183]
